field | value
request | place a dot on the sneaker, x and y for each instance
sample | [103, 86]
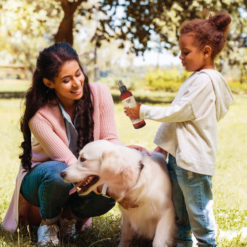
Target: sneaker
[184, 244]
[71, 228]
[68, 228]
[86, 224]
[47, 234]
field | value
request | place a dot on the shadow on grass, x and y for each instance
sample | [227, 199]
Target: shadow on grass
[147, 99]
[105, 232]
[11, 95]
[151, 99]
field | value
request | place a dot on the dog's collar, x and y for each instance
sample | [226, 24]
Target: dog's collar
[104, 191]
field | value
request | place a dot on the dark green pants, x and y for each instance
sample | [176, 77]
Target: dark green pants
[42, 186]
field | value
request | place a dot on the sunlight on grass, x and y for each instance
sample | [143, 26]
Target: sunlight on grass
[229, 181]
[129, 135]
[10, 138]
[14, 85]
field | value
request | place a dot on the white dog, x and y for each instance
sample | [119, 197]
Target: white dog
[138, 182]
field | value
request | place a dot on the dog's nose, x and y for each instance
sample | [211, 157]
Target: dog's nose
[63, 174]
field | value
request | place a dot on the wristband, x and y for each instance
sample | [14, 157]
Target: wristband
[104, 189]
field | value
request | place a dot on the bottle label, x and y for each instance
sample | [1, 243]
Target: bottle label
[136, 121]
[131, 103]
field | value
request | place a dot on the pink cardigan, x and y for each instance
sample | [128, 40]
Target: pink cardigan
[50, 140]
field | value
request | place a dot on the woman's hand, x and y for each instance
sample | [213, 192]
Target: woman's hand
[133, 113]
[160, 150]
[140, 148]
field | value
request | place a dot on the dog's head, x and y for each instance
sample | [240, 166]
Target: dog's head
[102, 162]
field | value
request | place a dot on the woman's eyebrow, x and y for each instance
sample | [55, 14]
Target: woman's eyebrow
[78, 70]
[66, 76]
[70, 75]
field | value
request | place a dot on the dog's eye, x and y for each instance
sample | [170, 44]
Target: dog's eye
[82, 159]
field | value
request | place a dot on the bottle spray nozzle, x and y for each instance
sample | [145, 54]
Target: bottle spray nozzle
[121, 86]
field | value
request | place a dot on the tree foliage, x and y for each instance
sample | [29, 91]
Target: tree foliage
[26, 27]
[30, 25]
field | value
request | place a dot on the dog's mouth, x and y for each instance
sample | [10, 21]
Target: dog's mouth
[84, 185]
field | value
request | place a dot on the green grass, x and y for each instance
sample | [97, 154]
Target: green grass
[14, 85]
[229, 182]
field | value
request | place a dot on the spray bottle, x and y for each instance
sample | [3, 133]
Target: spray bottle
[129, 101]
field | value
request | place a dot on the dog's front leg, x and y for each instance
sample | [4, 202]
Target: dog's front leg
[126, 232]
[166, 229]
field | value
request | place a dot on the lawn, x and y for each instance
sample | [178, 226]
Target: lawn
[14, 85]
[230, 181]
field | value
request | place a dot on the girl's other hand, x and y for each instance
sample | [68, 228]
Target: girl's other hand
[133, 113]
[160, 150]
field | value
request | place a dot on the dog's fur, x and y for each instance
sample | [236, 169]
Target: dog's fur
[138, 182]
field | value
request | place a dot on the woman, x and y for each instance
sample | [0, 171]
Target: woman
[63, 113]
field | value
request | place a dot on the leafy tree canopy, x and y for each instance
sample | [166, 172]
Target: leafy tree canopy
[31, 25]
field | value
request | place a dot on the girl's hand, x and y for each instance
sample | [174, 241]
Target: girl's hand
[160, 150]
[140, 148]
[133, 113]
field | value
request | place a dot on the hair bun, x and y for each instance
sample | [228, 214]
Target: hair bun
[221, 21]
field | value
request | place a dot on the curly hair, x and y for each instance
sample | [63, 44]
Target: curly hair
[210, 32]
[49, 63]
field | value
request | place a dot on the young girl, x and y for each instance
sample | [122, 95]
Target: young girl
[63, 113]
[189, 133]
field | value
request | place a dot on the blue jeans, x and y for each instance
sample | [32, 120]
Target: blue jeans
[193, 201]
[42, 186]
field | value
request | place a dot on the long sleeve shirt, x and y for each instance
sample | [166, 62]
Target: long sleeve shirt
[189, 128]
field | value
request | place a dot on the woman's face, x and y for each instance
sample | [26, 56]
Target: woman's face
[68, 85]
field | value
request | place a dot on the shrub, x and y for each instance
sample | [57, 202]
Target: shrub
[171, 80]
[168, 80]
[238, 87]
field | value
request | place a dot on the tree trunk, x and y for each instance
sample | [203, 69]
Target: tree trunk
[65, 30]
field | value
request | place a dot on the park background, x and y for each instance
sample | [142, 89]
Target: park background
[135, 41]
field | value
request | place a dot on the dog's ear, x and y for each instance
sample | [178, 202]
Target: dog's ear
[114, 166]
[109, 162]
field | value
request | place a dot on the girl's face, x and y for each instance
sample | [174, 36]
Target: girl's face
[192, 56]
[68, 85]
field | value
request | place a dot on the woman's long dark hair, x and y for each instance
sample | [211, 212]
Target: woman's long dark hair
[48, 65]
